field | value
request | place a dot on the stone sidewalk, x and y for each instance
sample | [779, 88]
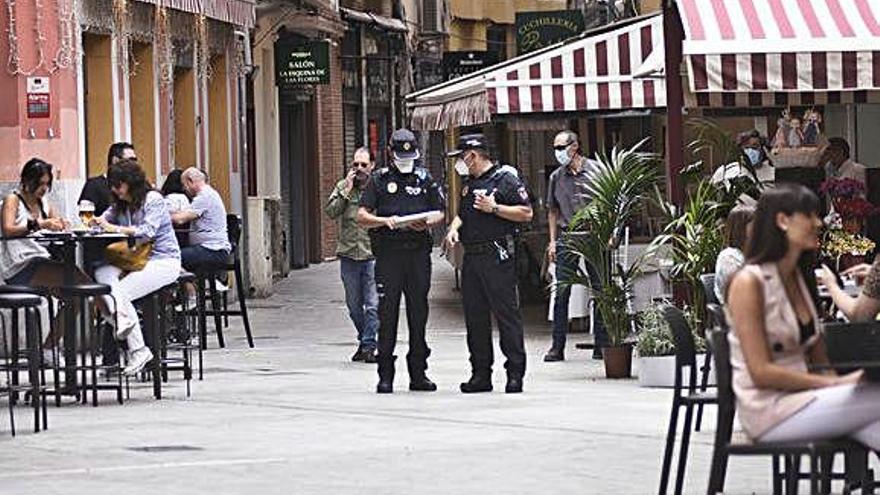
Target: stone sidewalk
[294, 416]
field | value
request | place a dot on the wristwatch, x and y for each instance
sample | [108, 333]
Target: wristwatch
[495, 210]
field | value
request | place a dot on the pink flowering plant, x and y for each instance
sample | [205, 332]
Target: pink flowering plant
[842, 188]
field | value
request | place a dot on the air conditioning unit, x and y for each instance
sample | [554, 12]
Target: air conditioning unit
[433, 16]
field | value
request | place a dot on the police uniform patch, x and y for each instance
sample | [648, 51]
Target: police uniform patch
[464, 191]
[392, 187]
[523, 193]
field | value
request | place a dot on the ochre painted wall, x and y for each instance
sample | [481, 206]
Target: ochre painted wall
[184, 119]
[218, 129]
[98, 102]
[143, 108]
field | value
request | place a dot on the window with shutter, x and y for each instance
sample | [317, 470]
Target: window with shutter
[431, 16]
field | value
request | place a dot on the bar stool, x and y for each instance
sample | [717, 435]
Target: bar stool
[190, 317]
[30, 305]
[219, 308]
[43, 293]
[90, 339]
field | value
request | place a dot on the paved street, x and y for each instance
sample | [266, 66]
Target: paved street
[295, 416]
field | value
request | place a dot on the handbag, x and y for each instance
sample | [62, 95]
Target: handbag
[126, 258]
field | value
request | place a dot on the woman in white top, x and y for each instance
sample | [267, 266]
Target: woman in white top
[25, 261]
[731, 258]
[174, 193]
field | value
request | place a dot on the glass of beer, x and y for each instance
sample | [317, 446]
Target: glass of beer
[86, 212]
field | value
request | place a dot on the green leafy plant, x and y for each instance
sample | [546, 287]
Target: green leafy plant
[655, 336]
[617, 188]
[694, 232]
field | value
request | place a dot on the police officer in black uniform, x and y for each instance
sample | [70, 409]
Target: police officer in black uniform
[494, 201]
[403, 255]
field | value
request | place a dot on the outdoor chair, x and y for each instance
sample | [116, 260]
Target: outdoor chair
[684, 395]
[207, 282]
[821, 453]
[708, 283]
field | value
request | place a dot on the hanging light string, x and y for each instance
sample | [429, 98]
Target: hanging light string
[68, 23]
[13, 62]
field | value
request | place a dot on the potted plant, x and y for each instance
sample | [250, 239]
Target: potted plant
[617, 188]
[656, 348]
[847, 200]
[841, 246]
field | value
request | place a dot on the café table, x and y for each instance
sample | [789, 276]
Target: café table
[64, 244]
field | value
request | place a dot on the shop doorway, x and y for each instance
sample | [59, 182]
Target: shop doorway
[300, 207]
[97, 101]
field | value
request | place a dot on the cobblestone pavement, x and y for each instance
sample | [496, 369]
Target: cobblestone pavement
[294, 416]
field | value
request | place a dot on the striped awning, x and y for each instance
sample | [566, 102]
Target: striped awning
[617, 69]
[773, 46]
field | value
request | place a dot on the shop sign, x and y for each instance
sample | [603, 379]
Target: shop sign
[38, 98]
[458, 64]
[302, 63]
[536, 30]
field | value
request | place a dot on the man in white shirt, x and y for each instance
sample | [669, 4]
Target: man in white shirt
[838, 163]
[209, 245]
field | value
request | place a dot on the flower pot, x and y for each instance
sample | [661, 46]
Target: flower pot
[659, 371]
[852, 225]
[618, 361]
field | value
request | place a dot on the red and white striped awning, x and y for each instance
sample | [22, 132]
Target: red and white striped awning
[607, 71]
[782, 45]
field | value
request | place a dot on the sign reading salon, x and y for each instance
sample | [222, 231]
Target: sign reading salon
[535, 30]
[302, 63]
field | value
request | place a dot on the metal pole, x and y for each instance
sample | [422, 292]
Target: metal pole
[673, 33]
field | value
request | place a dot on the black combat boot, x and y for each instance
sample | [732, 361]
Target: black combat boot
[514, 383]
[386, 375]
[479, 382]
[421, 383]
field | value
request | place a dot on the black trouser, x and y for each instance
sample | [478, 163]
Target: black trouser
[488, 287]
[406, 271]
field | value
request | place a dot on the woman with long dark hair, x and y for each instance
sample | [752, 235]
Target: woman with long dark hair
[174, 192]
[776, 331]
[139, 212]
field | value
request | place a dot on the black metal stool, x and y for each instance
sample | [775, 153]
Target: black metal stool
[219, 308]
[90, 340]
[30, 305]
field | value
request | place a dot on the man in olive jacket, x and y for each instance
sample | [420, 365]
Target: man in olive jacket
[356, 260]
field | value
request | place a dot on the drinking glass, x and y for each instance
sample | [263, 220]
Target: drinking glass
[86, 212]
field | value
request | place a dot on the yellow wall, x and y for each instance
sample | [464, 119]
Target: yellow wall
[184, 119]
[648, 6]
[98, 102]
[218, 129]
[467, 35]
[143, 109]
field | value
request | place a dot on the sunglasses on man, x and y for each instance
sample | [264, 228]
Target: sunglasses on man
[560, 147]
[360, 164]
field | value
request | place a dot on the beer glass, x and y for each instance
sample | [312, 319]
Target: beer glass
[86, 212]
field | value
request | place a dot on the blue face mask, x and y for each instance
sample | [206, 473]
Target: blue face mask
[563, 157]
[754, 156]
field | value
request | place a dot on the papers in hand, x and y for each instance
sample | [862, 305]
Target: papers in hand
[407, 220]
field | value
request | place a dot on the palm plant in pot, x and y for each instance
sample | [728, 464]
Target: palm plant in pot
[619, 184]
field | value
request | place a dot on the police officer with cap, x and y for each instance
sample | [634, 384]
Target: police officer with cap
[403, 255]
[494, 202]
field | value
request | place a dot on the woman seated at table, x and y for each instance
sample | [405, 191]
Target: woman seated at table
[776, 331]
[174, 193]
[25, 261]
[864, 307]
[731, 258]
[139, 212]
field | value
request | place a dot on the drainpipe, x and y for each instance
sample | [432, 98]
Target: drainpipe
[245, 38]
[364, 119]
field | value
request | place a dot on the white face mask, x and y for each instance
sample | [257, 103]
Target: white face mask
[563, 157]
[754, 155]
[405, 166]
[461, 167]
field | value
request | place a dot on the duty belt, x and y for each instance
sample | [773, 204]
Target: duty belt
[485, 247]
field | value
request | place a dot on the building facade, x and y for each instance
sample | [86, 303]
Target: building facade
[83, 74]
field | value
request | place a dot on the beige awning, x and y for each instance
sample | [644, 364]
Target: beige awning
[460, 112]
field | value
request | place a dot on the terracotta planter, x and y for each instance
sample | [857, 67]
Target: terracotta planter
[618, 361]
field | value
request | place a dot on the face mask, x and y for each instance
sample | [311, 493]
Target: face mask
[461, 167]
[563, 157]
[405, 166]
[754, 155]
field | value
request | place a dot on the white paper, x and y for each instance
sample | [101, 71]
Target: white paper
[415, 217]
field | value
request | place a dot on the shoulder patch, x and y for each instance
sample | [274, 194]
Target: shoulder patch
[421, 173]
